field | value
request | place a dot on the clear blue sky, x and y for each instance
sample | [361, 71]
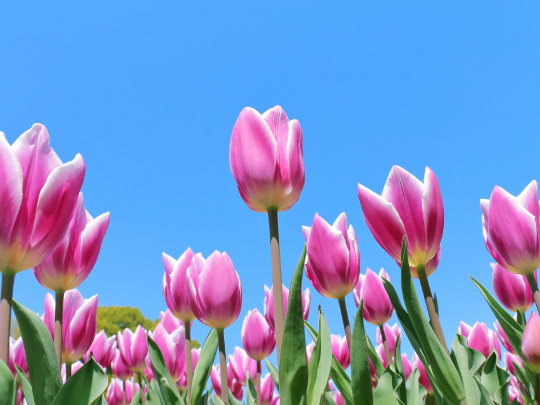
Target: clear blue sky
[149, 92]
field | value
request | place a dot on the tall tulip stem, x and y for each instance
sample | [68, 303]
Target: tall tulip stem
[68, 371]
[279, 314]
[534, 289]
[187, 325]
[58, 321]
[433, 317]
[141, 388]
[536, 389]
[223, 366]
[385, 343]
[258, 382]
[346, 324]
[8, 279]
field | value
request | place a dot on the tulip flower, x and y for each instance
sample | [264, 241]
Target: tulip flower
[513, 393]
[340, 350]
[464, 329]
[120, 392]
[241, 364]
[423, 380]
[68, 369]
[257, 336]
[17, 356]
[102, 349]
[502, 337]
[149, 371]
[195, 354]
[275, 400]
[133, 348]
[512, 290]
[118, 367]
[309, 350]
[338, 399]
[173, 348]
[38, 194]
[215, 297]
[269, 304]
[391, 333]
[483, 339]
[511, 360]
[381, 353]
[530, 347]
[266, 390]
[407, 366]
[233, 384]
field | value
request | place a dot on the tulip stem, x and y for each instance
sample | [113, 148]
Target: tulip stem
[385, 343]
[8, 279]
[279, 314]
[68, 371]
[223, 366]
[536, 389]
[534, 289]
[58, 320]
[258, 382]
[141, 388]
[346, 324]
[433, 317]
[187, 326]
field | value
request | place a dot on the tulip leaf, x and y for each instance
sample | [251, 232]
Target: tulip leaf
[40, 355]
[100, 401]
[398, 363]
[438, 360]
[204, 367]
[167, 388]
[84, 387]
[436, 303]
[384, 393]
[511, 327]
[520, 318]
[415, 392]
[25, 386]
[468, 363]
[293, 368]
[320, 364]
[274, 373]
[8, 385]
[374, 357]
[156, 397]
[205, 399]
[251, 393]
[233, 400]
[220, 402]
[328, 398]
[136, 400]
[155, 386]
[493, 378]
[360, 371]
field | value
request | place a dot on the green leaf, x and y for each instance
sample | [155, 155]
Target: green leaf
[436, 303]
[520, 318]
[84, 387]
[40, 355]
[155, 397]
[402, 393]
[438, 360]
[167, 388]
[513, 330]
[155, 387]
[136, 400]
[293, 369]
[204, 366]
[232, 399]
[374, 357]
[26, 387]
[7, 385]
[251, 393]
[205, 399]
[328, 398]
[360, 372]
[496, 380]
[384, 393]
[220, 402]
[274, 373]
[468, 363]
[320, 364]
[415, 392]
[100, 401]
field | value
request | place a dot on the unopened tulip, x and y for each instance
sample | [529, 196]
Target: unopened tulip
[483, 339]
[275, 400]
[530, 343]
[513, 393]
[233, 384]
[511, 360]
[424, 379]
[267, 389]
[16, 349]
[215, 291]
[338, 399]
[149, 371]
[242, 364]
[309, 350]
[118, 367]
[391, 333]
[195, 354]
[269, 303]
[74, 368]
[120, 392]
[464, 329]
[266, 158]
[377, 306]
[512, 290]
[102, 349]
[169, 321]
[340, 350]
[407, 366]
[133, 348]
[502, 337]
[257, 336]
[175, 286]
[382, 354]
[407, 207]
[173, 348]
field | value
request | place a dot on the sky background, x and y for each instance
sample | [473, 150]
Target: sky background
[148, 93]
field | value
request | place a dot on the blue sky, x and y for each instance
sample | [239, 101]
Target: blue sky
[148, 93]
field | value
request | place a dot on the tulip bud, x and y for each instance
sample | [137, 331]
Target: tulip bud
[169, 321]
[234, 385]
[333, 259]
[340, 349]
[269, 303]
[120, 392]
[17, 356]
[74, 368]
[102, 349]
[338, 399]
[267, 389]
[195, 354]
[257, 336]
[118, 367]
[149, 371]
[215, 291]
[512, 290]
[407, 207]
[381, 354]
[377, 306]
[391, 334]
[530, 343]
[241, 365]
[483, 339]
[309, 350]
[407, 366]
[133, 348]
[511, 360]
[266, 158]
[510, 226]
[424, 379]
[464, 329]
[173, 348]
[502, 337]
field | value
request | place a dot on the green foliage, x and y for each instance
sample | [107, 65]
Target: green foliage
[360, 372]
[115, 319]
[8, 386]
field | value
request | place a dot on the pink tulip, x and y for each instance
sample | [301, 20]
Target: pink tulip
[510, 227]
[502, 337]
[530, 347]
[391, 333]
[377, 306]
[266, 158]
[269, 303]
[464, 329]
[120, 392]
[309, 350]
[79, 323]
[430, 266]
[340, 350]
[149, 371]
[338, 399]
[513, 393]
[75, 256]
[133, 348]
[118, 367]
[102, 349]
[407, 207]
[195, 354]
[512, 290]
[484, 340]
[424, 379]
[175, 286]
[74, 368]
[234, 385]
[11, 357]
[511, 360]
[257, 336]
[407, 366]
[17, 356]
[267, 389]
[275, 400]
[333, 259]
[169, 321]
[241, 365]
[173, 348]
[215, 291]
[381, 354]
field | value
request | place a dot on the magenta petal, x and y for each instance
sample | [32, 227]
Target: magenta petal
[432, 207]
[178, 287]
[377, 306]
[48, 313]
[530, 348]
[82, 330]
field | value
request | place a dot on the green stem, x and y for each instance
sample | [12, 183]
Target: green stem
[534, 289]
[187, 325]
[258, 382]
[385, 343]
[6, 298]
[141, 388]
[346, 324]
[433, 317]
[223, 366]
[536, 389]
[68, 371]
[279, 317]
[58, 320]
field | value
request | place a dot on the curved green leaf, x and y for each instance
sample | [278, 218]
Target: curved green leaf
[136, 400]
[251, 393]
[374, 357]
[467, 362]
[415, 392]
[8, 384]
[402, 391]
[494, 378]
[274, 373]
[384, 393]
[167, 388]
[320, 364]
[360, 372]
[204, 366]
[25, 386]
[232, 399]
[84, 387]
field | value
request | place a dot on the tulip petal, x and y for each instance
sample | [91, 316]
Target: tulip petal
[432, 207]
